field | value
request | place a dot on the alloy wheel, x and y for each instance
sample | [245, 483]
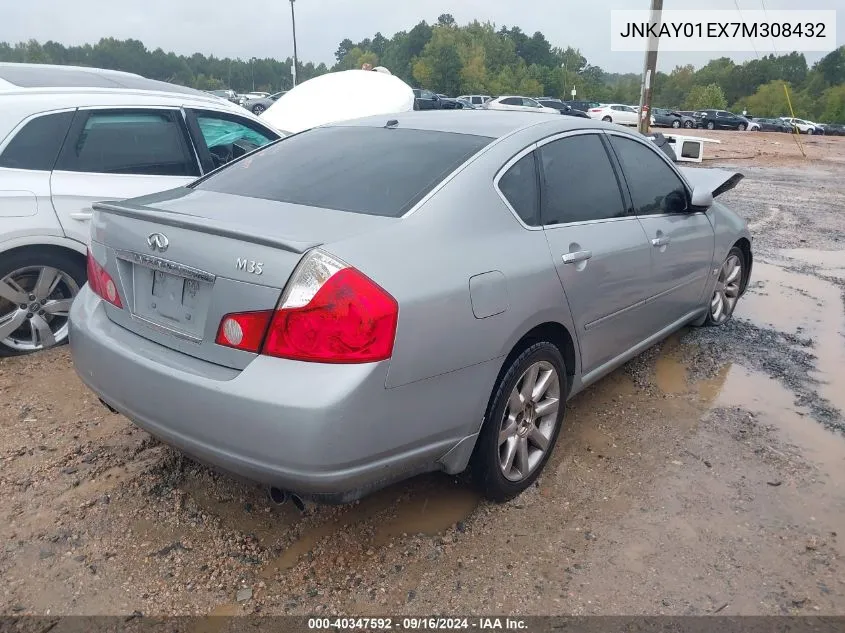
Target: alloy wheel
[726, 292]
[529, 421]
[258, 109]
[34, 306]
[676, 124]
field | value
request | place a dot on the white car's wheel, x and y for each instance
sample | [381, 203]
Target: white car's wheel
[607, 118]
[36, 290]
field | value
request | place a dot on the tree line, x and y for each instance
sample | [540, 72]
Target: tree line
[479, 58]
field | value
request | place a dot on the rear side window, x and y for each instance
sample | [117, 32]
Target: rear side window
[655, 188]
[519, 186]
[37, 144]
[579, 183]
[371, 170]
[145, 143]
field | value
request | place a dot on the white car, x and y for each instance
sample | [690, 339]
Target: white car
[476, 100]
[804, 126]
[615, 113]
[72, 136]
[521, 104]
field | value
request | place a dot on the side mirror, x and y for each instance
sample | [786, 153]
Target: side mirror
[701, 199]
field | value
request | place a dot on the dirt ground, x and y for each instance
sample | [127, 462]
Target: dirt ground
[706, 476]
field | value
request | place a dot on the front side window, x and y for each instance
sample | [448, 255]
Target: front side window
[228, 138]
[655, 188]
[36, 145]
[360, 169]
[519, 186]
[149, 143]
[579, 183]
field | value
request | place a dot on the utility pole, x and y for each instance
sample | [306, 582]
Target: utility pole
[295, 62]
[650, 68]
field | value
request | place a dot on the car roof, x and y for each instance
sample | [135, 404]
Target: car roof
[48, 88]
[492, 123]
[14, 76]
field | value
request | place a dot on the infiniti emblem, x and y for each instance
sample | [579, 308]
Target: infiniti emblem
[158, 242]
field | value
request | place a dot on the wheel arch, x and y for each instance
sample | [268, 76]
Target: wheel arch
[744, 244]
[69, 248]
[551, 331]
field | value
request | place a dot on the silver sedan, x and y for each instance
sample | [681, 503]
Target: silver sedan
[369, 300]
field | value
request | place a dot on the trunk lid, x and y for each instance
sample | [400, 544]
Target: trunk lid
[184, 259]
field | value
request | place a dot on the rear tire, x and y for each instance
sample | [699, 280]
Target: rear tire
[741, 127]
[519, 432]
[711, 125]
[257, 109]
[36, 287]
[676, 124]
[607, 118]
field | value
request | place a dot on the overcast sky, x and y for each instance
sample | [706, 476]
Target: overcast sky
[262, 28]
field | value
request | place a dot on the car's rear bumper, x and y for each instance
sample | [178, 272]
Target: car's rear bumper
[328, 432]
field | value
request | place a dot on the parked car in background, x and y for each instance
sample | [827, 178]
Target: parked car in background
[258, 105]
[72, 136]
[433, 346]
[448, 103]
[561, 107]
[584, 106]
[426, 100]
[772, 125]
[515, 103]
[661, 117]
[467, 104]
[229, 95]
[476, 100]
[720, 120]
[832, 129]
[803, 125]
[615, 113]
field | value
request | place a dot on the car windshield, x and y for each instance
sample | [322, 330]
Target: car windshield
[372, 170]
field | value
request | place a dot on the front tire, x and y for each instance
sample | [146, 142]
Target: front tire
[257, 109]
[741, 127]
[522, 423]
[36, 290]
[728, 288]
[711, 125]
[676, 124]
[810, 131]
[688, 124]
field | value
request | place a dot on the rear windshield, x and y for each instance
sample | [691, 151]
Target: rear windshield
[376, 171]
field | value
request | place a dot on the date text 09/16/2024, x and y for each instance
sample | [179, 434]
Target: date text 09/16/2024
[418, 624]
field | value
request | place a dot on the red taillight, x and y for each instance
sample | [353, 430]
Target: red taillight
[330, 313]
[101, 282]
[349, 320]
[595, 110]
[244, 330]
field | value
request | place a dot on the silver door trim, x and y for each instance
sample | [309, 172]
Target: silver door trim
[609, 366]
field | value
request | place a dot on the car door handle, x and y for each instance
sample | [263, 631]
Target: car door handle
[577, 256]
[82, 215]
[660, 241]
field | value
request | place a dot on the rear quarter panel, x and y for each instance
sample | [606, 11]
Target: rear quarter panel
[426, 261]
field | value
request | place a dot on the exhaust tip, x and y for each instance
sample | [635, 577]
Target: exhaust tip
[298, 502]
[277, 495]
